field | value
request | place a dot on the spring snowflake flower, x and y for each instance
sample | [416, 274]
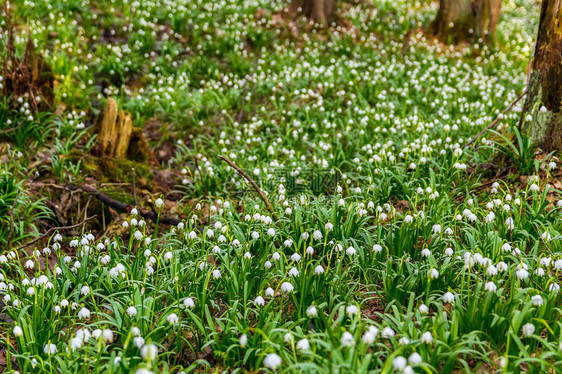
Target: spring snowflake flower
[84, 313]
[303, 345]
[528, 329]
[387, 333]
[131, 311]
[522, 273]
[271, 232]
[426, 252]
[216, 273]
[269, 292]
[275, 256]
[377, 248]
[287, 287]
[272, 361]
[436, 229]
[50, 349]
[433, 273]
[449, 251]
[537, 300]
[546, 236]
[328, 226]
[415, 359]
[427, 338]
[17, 331]
[448, 297]
[317, 235]
[318, 269]
[490, 287]
[189, 303]
[352, 310]
[423, 309]
[347, 340]
[399, 363]
[159, 202]
[172, 318]
[350, 251]
[243, 340]
[311, 311]
[149, 352]
[138, 341]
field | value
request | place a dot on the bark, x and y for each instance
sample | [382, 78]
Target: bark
[544, 100]
[463, 20]
[319, 11]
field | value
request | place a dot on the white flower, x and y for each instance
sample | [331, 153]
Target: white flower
[18, 331]
[423, 309]
[522, 273]
[189, 303]
[387, 333]
[352, 310]
[243, 340]
[159, 202]
[449, 251]
[293, 272]
[107, 335]
[433, 273]
[138, 341]
[84, 313]
[138, 235]
[537, 300]
[271, 232]
[269, 292]
[377, 248]
[399, 363]
[296, 257]
[50, 349]
[172, 318]
[303, 345]
[318, 269]
[272, 361]
[415, 359]
[149, 352]
[490, 287]
[426, 252]
[317, 235]
[436, 229]
[528, 329]
[216, 273]
[311, 311]
[350, 251]
[85, 290]
[448, 297]
[369, 338]
[427, 337]
[491, 270]
[347, 339]
[329, 226]
[287, 287]
[131, 311]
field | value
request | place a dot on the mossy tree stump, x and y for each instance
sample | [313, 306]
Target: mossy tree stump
[118, 138]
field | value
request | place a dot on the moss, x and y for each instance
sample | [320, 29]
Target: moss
[105, 169]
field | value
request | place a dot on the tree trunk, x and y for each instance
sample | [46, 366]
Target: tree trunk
[461, 20]
[319, 11]
[544, 98]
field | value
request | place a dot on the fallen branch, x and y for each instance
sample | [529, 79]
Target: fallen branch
[122, 207]
[55, 229]
[510, 106]
[253, 183]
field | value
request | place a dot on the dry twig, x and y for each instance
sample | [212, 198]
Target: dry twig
[252, 182]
